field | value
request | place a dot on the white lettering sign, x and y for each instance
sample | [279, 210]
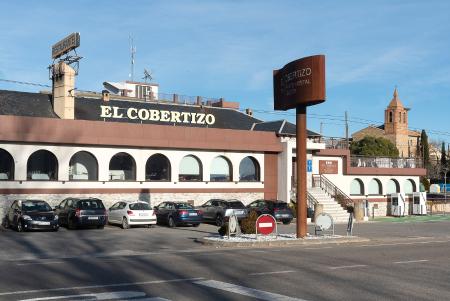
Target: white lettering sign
[156, 115]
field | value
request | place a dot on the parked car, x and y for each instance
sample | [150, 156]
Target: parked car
[176, 213]
[129, 214]
[219, 210]
[75, 212]
[31, 215]
[278, 209]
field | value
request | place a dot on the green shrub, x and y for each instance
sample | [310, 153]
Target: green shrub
[293, 207]
[248, 224]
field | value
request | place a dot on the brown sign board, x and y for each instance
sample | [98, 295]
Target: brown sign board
[300, 83]
[328, 167]
[67, 44]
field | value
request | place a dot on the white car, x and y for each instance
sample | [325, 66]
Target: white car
[128, 214]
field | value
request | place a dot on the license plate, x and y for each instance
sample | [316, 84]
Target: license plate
[239, 211]
[285, 215]
[93, 217]
[143, 214]
[193, 214]
[43, 223]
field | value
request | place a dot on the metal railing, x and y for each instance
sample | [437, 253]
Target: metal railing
[339, 196]
[181, 99]
[385, 162]
[311, 200]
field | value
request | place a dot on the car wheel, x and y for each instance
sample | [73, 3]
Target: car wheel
[171, 222]
[219, 220]
[19, 226]
[195, 225]
[125, 224]
[286, 221]
[100, 226]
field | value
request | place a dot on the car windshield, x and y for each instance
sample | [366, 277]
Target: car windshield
[183, 206]
[235, 204]
[280, 205]
[35, 206]
[90, 204]
[140, 206]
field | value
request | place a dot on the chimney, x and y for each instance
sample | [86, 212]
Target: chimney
[63, 90]
[105, 95]
[249, 112]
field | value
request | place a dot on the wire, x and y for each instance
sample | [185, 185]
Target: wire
[24, 83]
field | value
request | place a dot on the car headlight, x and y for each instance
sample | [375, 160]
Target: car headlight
[56, 217]
[27, 217]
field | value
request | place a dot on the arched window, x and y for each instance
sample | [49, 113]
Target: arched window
[404, 117]
[409, 186]
[390, 116]
[392, 186]
[190, 169]
[83, 166]
[399, 117]
[357, 187]
[6, 166]
[249, 170]
[220, 170]
[375, 187]
[122, 167]
[157, 168]
[42, 165]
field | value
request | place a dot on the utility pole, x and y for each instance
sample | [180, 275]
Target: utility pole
[321, 131]
[346, 130]
[132, 53]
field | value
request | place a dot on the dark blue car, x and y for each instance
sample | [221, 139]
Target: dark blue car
[177, 213]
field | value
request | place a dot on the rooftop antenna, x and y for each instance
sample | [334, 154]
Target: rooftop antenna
[132, 52]
[147, 75]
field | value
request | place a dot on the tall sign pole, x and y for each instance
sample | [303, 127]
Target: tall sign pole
[297, 85]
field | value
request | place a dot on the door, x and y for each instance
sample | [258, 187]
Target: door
[113, 212]
[62, 212]
[13, 213]
[206, 208]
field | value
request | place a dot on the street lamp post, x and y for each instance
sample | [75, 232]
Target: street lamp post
[445, 189]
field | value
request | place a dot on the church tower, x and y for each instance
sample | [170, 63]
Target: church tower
[396, 125]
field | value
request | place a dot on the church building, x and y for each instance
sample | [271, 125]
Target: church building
[395, 129]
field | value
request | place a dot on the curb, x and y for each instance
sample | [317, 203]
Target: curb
[300, 242]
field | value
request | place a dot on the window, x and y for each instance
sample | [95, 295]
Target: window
[83, 166]
[122, 167]
[357, 187]
[42, 165]
[220, 170]
[249, 170]
[157, 168]
[190, 169]
[409, 187]
[375, 187]
[390, 116]
[393, 186]
[399, 117]
[6, 166]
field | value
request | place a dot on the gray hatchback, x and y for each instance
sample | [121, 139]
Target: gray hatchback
[220, 210]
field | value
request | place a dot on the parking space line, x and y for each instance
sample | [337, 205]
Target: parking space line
[270, 273]
[411, 261]
[41, 263]
[348, 266]
[246, 291]
[99, 286]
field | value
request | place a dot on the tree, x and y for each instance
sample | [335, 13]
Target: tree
[425, 149]
[443, 156]
[372, 146]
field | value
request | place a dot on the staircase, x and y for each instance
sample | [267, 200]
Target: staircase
[330, 206]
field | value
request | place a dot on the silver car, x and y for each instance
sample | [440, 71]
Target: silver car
[219, 210]
[128, 214]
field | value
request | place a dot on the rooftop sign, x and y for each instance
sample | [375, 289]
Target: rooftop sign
[300, 83]
[67, 44]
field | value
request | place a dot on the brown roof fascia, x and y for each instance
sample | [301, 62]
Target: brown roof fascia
[99, 133]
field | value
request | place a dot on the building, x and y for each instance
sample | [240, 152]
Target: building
[157, 147]
[395, 129]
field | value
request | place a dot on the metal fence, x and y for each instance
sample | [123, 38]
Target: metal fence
[182, 99]
[385, 162]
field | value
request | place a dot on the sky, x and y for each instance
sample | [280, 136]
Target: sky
[230, 48]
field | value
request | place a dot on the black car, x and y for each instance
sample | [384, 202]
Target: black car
[219, 210]
[177, 213]
[278, 209]
[75, 212]
[31, 215]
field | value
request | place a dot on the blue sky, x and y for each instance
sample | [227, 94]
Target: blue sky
[229, 49]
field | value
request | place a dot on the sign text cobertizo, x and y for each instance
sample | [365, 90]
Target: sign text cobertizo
[157, 115]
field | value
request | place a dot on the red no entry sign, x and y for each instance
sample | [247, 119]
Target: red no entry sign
[265, 224]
